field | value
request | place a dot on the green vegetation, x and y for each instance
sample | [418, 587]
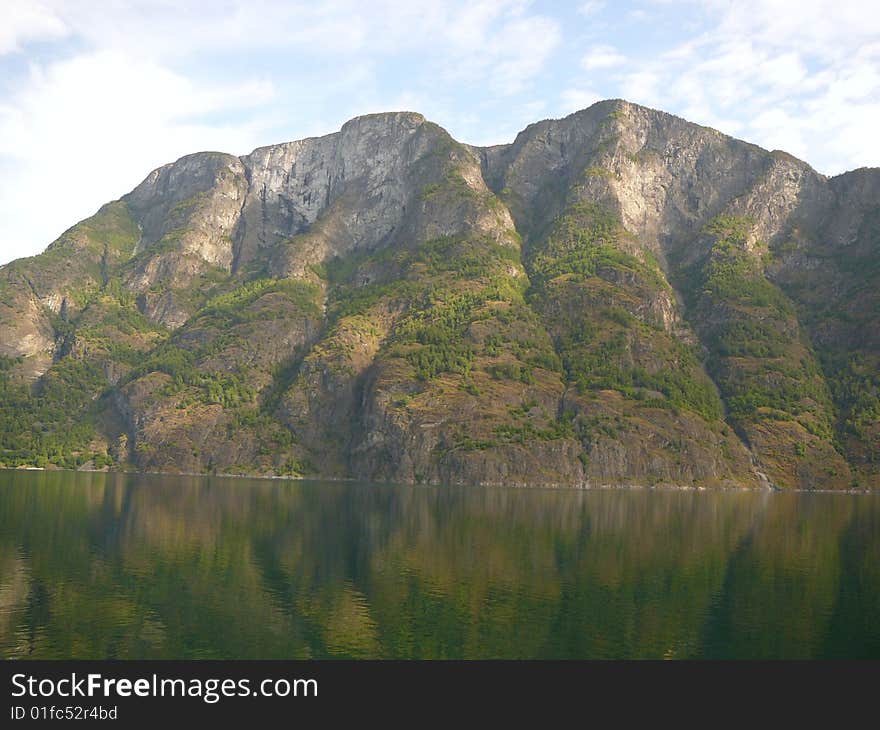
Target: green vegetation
[111, 231]
[839, 303]
[561, 428]
[410, 272]
[445, 285]
[597, 171]
[581, 240]
[576, 271]
[54, 424]
[762, 367]
[512, 371]
[227, 389]
[111, 328]
[434, 359]
[232, 307]
[735, 273]
[604, 365]
[453, 185]
[855, 386]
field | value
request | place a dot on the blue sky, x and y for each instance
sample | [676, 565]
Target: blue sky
[96, 93]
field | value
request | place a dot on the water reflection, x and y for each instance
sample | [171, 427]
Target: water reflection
[95, 565]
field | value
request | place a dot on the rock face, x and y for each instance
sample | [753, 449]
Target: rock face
[619, 297]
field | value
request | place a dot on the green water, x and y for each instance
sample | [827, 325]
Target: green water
[123, 566]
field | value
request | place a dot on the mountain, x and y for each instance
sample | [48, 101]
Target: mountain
[619, 297]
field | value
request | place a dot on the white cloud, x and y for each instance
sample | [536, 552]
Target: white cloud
[576, 99]
[798, 75]
[84, 131]
[818, 25]
[602, 57]
[114, 89]
[644, 87]
[26, 20]
[145, 84]
[591, 7]
[521, 49]
[780, 130]
[493, 43]
[333, 28]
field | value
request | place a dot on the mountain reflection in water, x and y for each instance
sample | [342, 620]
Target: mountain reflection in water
[130, 566]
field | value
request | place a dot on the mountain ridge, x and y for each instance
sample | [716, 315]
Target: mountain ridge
[615, 297]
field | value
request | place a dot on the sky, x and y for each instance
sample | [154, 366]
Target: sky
[94, 94]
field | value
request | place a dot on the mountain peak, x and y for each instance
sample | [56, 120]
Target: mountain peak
[383, 119]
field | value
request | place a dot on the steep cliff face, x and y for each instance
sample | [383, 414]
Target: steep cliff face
[617, 297]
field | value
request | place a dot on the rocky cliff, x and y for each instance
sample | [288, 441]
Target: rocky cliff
[617, 297]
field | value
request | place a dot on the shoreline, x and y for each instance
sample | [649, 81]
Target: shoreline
[484, 485]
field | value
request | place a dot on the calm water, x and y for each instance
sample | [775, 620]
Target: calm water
[127, 566]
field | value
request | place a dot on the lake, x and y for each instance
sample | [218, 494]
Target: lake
[139, 566]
